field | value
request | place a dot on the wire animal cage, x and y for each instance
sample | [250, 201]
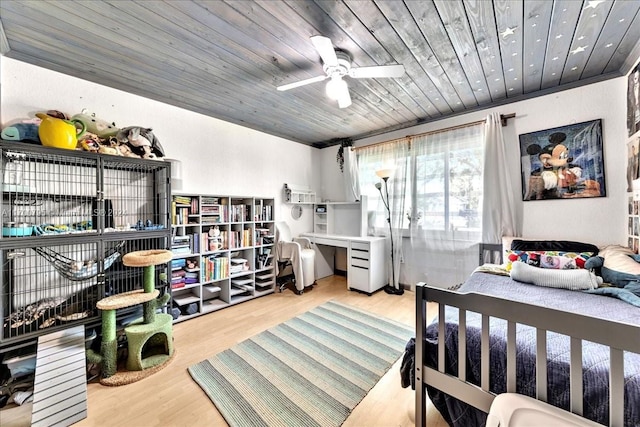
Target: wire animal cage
[67, 219]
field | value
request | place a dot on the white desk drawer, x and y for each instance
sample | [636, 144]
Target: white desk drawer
[358, 278]
[361, 246]
[340, 243]
[362, 263]
[355, 253]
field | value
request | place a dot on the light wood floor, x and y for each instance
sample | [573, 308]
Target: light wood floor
[172, 398]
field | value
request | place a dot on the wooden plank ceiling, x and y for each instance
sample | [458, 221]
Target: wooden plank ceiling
[225, 59]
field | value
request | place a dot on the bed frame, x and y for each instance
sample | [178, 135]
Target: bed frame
[542, 319]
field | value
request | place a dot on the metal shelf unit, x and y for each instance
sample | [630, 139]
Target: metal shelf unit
[68, 217]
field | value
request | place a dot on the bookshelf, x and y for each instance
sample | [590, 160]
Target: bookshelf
[223, 252]
[299, 194]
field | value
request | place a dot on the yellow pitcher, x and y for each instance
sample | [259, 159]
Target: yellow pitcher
[59, 133]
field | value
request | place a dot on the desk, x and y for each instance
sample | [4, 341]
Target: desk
[366, 260]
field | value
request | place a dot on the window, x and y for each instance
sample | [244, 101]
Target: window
[443, 177]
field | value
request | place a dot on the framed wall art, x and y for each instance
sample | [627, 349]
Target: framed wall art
[563, 163]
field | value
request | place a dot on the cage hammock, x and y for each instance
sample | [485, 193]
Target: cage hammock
[78, 270]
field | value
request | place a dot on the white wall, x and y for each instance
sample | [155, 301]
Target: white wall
[217, 157]
[600, 220]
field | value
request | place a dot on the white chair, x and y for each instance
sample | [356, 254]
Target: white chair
[297, 254]
[517, 410]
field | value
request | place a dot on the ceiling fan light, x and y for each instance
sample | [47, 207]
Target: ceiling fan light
[336, 87]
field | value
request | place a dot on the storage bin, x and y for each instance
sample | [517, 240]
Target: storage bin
[20, 365]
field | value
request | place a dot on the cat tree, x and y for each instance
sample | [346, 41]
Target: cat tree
[150, 339]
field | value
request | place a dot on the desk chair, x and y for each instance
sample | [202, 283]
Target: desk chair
[294, 256]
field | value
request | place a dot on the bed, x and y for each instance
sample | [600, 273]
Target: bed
[517, 332]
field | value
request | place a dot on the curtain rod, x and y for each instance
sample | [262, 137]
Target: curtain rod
[503, 121]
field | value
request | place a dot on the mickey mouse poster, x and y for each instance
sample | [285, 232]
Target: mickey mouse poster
[563, 163]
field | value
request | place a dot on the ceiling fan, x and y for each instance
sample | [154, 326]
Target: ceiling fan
[336, 65]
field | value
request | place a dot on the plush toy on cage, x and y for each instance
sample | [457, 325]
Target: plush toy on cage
[142, 141]
[99, 127]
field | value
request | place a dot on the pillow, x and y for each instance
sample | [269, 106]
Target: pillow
[547, 259]
[578, 279]
[553, 245]
[558, 262]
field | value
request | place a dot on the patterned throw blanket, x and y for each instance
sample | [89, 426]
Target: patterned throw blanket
[630, 293]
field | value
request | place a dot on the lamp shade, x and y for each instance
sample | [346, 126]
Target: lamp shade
[384, 173]
[336, 87]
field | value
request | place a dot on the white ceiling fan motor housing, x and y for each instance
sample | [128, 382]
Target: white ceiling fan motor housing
[342, 68]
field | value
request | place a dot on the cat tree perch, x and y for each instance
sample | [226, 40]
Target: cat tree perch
[150, 339]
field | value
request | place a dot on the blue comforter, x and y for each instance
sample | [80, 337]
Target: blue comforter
[595, 356]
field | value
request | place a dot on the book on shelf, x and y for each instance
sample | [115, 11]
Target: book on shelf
[208, 200]
[180, 250]
[241, 282]
[178, 263]
[246, 238]
[181, 240]
[177, 274]
[211, 219]
[265, 276]
[240, 213]
[263, 261]
[238, 265]
[195, 243]
[215, 267]
[182, 200]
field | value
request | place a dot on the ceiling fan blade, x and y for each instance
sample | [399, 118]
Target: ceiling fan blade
[377, 71]
[324, 46]
[302, 83]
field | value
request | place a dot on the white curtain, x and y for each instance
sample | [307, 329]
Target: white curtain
[499, 218]
[351, 182]
[394, 156]
[445, 218]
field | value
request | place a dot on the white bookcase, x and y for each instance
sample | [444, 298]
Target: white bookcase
[223, 251]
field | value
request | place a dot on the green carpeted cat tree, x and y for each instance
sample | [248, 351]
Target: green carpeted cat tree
[150, 339]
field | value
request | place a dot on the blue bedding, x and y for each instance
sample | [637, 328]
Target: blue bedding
[595, 356]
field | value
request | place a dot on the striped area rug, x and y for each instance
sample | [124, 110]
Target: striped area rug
[311, 370]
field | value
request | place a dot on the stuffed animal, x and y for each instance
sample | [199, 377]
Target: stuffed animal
[125, 150]
[619, 265]
[27, 132]
[142, 142]
[96, 126]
